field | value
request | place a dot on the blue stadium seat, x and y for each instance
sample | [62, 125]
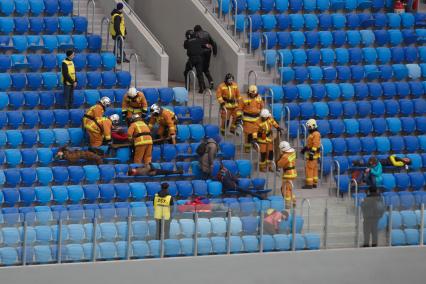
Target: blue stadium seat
[59, 194]
[60, 175]
[353, 38]
[312, 38]
[325, 21]
[29, 157]
[80, 24]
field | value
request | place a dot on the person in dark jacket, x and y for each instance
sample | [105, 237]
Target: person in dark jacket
[117, 28]
[207, 159]
[209, 47]
[163, 203]
[69, 79]
[194, 50]
[372, 209]
[75, 156]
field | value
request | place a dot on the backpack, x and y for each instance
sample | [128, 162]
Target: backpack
[202, 148]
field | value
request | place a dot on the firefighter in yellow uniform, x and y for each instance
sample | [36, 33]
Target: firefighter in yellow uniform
[140, 137]
[162, 203]
[228, 96]
[263, 136]
[117, 28]
[166, 120]
[287, 162]
[99, 130]
[134, 102]
[312, 154]
[97, 110]
[249, 112]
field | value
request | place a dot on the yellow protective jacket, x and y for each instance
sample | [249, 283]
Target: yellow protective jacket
[139, 133]
[264, 132]
[230, 95]
[93, 112]
[112, 24]
[166, 119]
[313, 143]
[287, 162]
[134, 105]
[250, 108]
[101, 126]
[162, 207]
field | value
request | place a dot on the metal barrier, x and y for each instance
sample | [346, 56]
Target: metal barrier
[325, 225]
[188, 81]
[129, 235]
[105, 20]
[262, 217]
[275, 177]
[228, 232]
[422, 223]
[135, 75]
[338, 176]
[195, 233]
[24, 242]
[59, 246]
[271, 93]
[245, 33]
[287, 110]
[266, 41]
[256, 145]
[252, 72]
[95, 239]
[309, 211]
[357, 211]
[162, 238]
[293, 228]
[235, 3]
[390, 226]
[240, 130]
[117, 39]
[91, 2]
[321, 165]
[227, 122]
[210, 94]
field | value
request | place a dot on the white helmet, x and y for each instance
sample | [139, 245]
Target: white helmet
[285, 147]
[155, 109]
[115, 118]
[311, 124]
[265, 113]
[132, 92]
[105, 101]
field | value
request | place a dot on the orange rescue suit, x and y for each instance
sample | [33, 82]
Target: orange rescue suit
[140, 135]
[134, 105]
[312, 154]
[229, 97]
[98, 130]
[93, 112]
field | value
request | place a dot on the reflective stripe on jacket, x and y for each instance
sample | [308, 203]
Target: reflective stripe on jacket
[139, 133]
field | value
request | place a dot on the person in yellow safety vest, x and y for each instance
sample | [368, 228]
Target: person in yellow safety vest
[287, 162]
[99, 130]
[263, 136]
[117, 28]
[97, 110]
[134, 102]
[166, 120]
[228, 96]
[312, 154]
[249, 112]
[140, 136]
[162, 203]
[69, 79]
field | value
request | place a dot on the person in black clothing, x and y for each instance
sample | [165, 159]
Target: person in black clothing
[194, 50]
[117, 28]
[372, 209]
[209, 47]
[68, 78]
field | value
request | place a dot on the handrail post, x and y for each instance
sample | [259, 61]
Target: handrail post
[228, 232]
[321, 165]
[235, 3]
[162, 238]
[255, 77]
[271, 92]
[78, 8]
[188, 84]
[309, 211]
[422, 223]
[93, 13]
[390, 226]
[210, 95]
[196, 233]
[59, 246]
[256, 145]
[357, 215]
[262, 216]
[325, 225]
[293, 228]
[24, 242]
[265, 38]
[240, 130]
[220, 9]
[129, 235]
[135, 75]
[107, 21]
[287, 110]
[275, 175]
[94, 240]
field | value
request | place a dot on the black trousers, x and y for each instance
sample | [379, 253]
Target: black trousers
[68, 95]
[119, 44]
[370, 230]
[197, 62]
[206, 65]
[166, 229]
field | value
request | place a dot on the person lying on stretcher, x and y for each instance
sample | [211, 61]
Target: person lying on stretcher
[150, 170]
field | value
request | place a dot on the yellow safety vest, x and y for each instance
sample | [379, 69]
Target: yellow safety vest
[122, 26]
[71, 70]
[162, 207]
[290, 171]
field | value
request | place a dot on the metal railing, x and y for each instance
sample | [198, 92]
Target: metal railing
[288, 114]
[335, 165]
[135, 74]
[247, 33]
[235, 3]
[274, 166]
[309, 211]
[250, 73]
[240, 130]
[107, 21]
[92, 22]
[256, 145]
[208, 93]
[188, 84]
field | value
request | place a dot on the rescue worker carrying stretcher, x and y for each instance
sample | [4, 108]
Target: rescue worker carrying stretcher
[263, 136]
[134, 102]
[140, 138]
[249, 112]
[228, 96]
[96, 111]
[166, 120]
[99, 129]
[287, 162]
[312, 154]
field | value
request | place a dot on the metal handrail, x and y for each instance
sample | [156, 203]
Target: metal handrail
[256, 145]
[309, 211]
[390, 226]
[210, 94]
[245, 33]
[287, 110]
[188, 81]
[235, 2]
[335, 162]
[132, 13]
[266, 41]
[227, 123]
[356, 190]
[95, 239]
[271, 93]
[293, 228]
[59, 245]
[240, 130]
[249, 75]
[135, 75]
[92, 2]
[275, 177]
[321, 164]
[24, 241]
[422, 223]
[120, 38]
[105, 20]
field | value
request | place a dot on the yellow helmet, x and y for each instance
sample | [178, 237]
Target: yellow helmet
[311, 124]
[252, 89]
[270, 211]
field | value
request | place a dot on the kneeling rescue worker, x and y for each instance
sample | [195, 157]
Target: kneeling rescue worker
[96, 111]
[287, 162]
[134, 102]
[312, 154]
[228, 96]
[249, 113]
[99, 129]
[140, 138]
[166, 120]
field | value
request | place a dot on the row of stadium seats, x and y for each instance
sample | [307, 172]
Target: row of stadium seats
[36, 7]
[343, 56]
[40, 25]
[73, 117]
[350, 38]
[52, 80]
[410, 237]
[49, 99]
[334, 21]
[334, 91]
[49, 43]
[294, 6]
[49, 62]
[398, 181]
[368, 145]
[353, 73]
[172, 247]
